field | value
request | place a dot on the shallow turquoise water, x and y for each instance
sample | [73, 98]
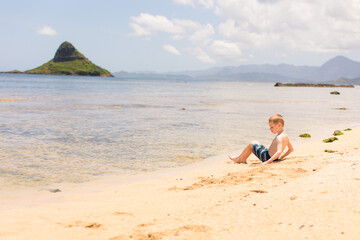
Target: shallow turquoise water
[74, 129]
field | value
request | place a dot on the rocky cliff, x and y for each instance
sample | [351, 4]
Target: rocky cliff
[67, 52]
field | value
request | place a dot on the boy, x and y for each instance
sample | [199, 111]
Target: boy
[277, 147]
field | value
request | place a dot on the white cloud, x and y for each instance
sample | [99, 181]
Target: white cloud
[203, 35]
[245, 27]
[246, 37]
[314, 26]
[206, 3]
[146, 24]
[226, 49]
[194, 3]
[171, 49]
[180, 29]
[188, 24]
[139, 30]
[201, 55]
[186, 2]
[46, 30]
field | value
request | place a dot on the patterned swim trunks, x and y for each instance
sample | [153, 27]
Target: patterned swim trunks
[261, 152]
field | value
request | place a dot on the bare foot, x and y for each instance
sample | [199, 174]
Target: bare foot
[235, 160]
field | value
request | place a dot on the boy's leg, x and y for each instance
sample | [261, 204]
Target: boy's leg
[245, 153]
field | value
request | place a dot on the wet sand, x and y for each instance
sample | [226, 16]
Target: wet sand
[312, 194]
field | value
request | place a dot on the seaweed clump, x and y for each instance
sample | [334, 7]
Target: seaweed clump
[337, 133]
[305, 135]
[330, 139]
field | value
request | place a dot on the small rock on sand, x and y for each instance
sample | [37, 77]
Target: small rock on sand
[54, 190]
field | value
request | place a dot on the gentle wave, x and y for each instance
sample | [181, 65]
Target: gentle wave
[81, 107]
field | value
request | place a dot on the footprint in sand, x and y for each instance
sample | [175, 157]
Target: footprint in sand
[123, 214]
[145, 224]
[93, 225]
[121, 237]
[85, 225]
[258, 191]
[293, 197]
[195, 230]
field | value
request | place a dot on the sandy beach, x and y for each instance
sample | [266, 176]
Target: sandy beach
[312, 194]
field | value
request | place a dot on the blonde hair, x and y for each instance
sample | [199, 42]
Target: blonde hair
[277, 118]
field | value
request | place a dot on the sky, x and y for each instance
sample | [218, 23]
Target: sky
[179, 35]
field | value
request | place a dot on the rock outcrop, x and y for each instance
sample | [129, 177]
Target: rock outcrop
[67, 52]
[310, 85]
[69, 61]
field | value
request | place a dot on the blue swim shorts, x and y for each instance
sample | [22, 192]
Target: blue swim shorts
[261, 152]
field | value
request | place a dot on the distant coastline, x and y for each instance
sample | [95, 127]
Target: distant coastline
[336, 71]
[312, 85]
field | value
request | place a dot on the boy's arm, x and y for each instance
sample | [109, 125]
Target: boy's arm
[277, 153]
[290, 150]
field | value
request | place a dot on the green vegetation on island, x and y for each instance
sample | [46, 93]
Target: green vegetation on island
[69, 61]
[15, 71]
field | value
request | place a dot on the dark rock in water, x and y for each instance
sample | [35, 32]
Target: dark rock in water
[335, 93]
[67, 52]
[311, 85]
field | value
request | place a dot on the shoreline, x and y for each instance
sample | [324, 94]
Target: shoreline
[131, 177]
[213, 201]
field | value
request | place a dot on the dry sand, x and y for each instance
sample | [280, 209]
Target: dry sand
[311, 195]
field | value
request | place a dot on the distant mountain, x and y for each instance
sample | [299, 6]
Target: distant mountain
[338, 70]
[250, 76]
[338, 67]
[335, 68]
[354, 81]
[284, 70]
[69, 61]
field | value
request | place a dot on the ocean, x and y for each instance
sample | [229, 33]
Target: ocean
[65, 129]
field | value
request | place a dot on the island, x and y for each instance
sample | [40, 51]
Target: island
[69, 61]
[311, 85]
